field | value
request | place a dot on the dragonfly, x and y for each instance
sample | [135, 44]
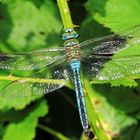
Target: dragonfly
[66, 64]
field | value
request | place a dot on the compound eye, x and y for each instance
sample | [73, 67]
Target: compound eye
[76, 35]
[64, 37]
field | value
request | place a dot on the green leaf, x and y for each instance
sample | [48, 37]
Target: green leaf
[25, 25]
[116, 15]
[53, 132]
[111, 110]
[25, 129]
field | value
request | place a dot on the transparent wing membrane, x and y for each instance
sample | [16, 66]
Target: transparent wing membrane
[113, 43]
[98, 60]
[107, 68]
[105, 45]
[40, 83]
[31, 60]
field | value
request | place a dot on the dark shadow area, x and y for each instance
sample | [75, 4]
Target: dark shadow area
[15, 116]
[78, 11]
[38, 3]
[58, 40]
[63, 114]
[98, 6]
[42, 135]
[92, 29]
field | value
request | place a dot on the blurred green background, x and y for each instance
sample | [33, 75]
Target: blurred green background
[27, 25]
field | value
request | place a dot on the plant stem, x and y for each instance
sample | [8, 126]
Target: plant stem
[65, 13]
[31, 80]
[96, 125]
[53, 132]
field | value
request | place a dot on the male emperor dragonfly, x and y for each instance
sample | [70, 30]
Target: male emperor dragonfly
[67, 62]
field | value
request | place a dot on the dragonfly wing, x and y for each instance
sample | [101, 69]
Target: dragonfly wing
[112, 43]
[31, 60]
[22, 90]
[42, 82]
[98, 55]
[108, 68]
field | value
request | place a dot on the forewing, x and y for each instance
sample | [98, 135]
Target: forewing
[113, 43]
[31, 60]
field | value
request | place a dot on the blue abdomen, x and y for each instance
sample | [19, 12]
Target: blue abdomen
[75, 66]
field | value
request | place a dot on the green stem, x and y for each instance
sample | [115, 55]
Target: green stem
[65, 13]
[31, 80]
[53, 132]
[93, 116]
[96, 124]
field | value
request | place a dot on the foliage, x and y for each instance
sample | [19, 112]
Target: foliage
[35, 24]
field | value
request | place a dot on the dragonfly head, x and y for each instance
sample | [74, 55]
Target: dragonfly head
[69, 33]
